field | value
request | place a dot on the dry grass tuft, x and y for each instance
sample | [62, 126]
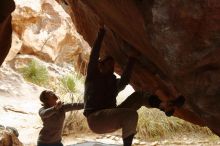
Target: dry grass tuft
[154, 124]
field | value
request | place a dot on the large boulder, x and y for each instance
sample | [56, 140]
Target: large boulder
[42, 28]
[6, 7]
[9, 136]
[176, 41]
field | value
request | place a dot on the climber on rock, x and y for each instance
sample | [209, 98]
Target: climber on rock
[101, 90]
[53, 114]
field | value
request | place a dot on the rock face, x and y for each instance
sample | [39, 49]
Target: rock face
[6, 7]
[177, 44]
[9, 137]
[42, 28]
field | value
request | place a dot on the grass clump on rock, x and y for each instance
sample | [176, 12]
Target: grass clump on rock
[154, 125]
[69, 84]
[35, 73]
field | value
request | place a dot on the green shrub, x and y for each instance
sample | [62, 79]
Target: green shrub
[69, 84]
[35, 73]
[71, 89]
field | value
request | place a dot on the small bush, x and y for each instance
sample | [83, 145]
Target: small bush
[70, 88]
[35, 73]
[68, 83]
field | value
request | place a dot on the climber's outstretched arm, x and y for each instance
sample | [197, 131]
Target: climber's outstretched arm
[94, 56]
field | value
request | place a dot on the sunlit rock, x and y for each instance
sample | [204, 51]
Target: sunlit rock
[45, 30]
[8, 137]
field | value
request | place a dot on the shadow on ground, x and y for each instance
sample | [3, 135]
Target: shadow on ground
[93, 144]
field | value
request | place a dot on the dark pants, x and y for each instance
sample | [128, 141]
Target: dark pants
[123, 116]
[52, 144]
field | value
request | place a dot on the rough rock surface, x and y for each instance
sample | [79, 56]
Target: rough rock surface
[19, 104]
[42, 28]
[176, 41]
[8, 137]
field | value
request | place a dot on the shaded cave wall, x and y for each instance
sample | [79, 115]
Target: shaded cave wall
[176, 43]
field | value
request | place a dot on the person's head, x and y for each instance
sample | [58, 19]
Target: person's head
[106, 65]
[48, 98]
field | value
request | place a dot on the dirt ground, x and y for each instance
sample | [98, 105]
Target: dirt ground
[114, 140]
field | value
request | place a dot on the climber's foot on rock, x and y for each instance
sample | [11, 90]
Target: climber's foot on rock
[178, 102]
[169, 106]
